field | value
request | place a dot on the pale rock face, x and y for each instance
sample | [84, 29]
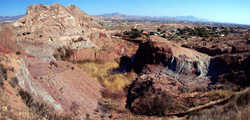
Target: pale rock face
[59, 86]
[26, 82]
[49, 21]
[53, 27]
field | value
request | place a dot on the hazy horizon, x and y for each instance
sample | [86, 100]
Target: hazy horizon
[226, 11]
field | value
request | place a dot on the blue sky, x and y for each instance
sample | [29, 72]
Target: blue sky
[234, 11]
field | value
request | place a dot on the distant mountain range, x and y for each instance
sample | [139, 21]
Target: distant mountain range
[10, 18]
[191, 18]
[120, 16]
[150, 18]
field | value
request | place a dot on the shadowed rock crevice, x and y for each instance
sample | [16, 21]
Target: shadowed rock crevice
[246, 67]
[228, 68]
[217, 67]
[146, 57]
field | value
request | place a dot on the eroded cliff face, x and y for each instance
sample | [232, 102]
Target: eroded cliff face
[61, 86]
[160, 56]
[46, 28]
[185, 76]
[163, 58]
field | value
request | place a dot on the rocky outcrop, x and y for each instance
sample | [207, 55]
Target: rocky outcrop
[161, 57]
[43, 21]
[189, 67]
[91, 55]
[64, 87]
[46, 28]
[82, 17]
[107, 51]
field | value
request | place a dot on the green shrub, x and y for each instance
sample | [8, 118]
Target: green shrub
[3, 72]
[1, 81]
[26, 97]
[151, 33]
[184, 89]
[107, 105]
[63, 53]
[195, 104]
[135, 33]
[12, 69]
[13, 82]
[200, 89]
[214, 46]
[18, 53]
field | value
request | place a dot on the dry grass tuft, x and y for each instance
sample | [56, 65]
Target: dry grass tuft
[220, 93]
[238, 108]
[103, 72]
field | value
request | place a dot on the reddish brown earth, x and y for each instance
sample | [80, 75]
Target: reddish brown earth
[60, 87]
[6, 44]
[187, 77]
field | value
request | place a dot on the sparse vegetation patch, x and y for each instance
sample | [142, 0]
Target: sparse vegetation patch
[103, 72]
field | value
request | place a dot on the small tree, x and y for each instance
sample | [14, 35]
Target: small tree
[151, 33]
[18, 53]
[159, 30]
[135, 33]
[226, 33]
[214, 29]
